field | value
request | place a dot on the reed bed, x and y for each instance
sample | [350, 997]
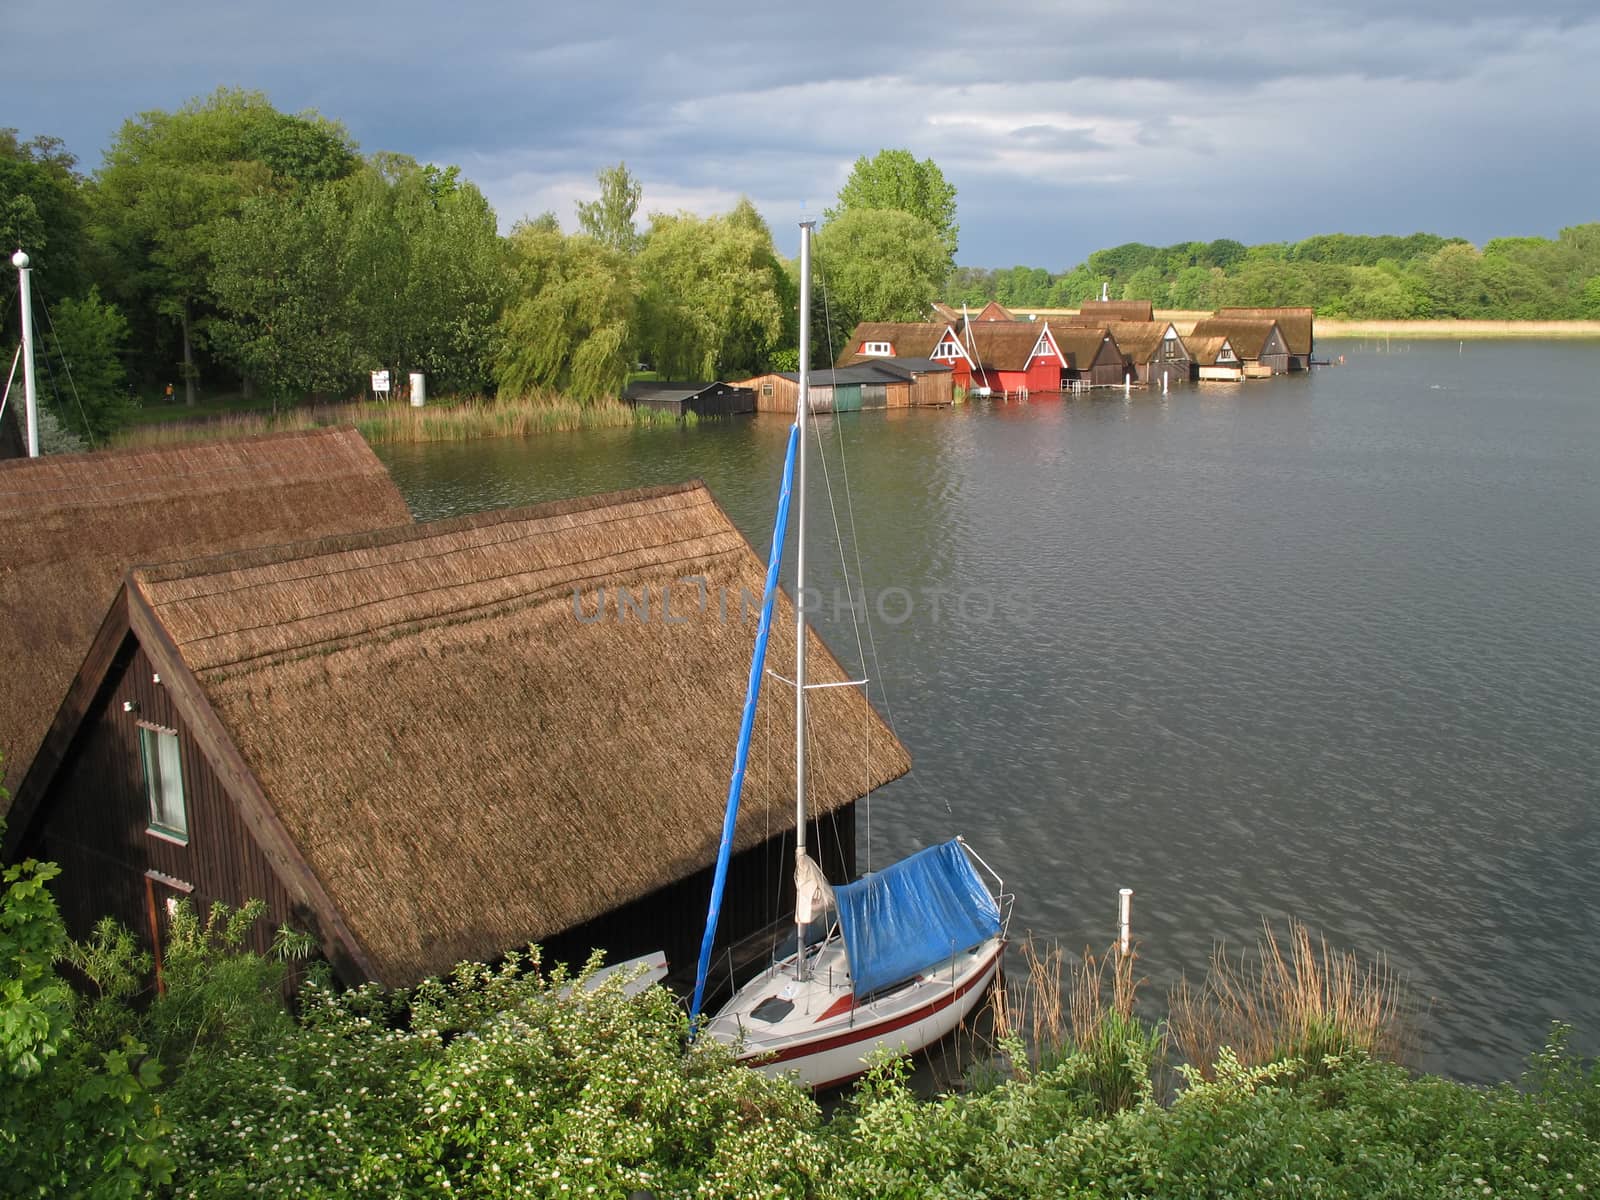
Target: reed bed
[1064, 1007]
[1297, 999]
[459, 420]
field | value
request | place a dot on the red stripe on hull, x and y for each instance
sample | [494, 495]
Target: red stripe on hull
[867, 1033]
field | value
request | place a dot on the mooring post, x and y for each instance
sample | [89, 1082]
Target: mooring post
[1125, 921]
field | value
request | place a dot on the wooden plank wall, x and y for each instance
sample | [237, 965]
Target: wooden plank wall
[95, 822]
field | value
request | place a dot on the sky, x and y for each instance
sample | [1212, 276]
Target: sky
[1065, 126]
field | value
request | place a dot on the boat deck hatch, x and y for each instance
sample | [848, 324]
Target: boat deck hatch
[772, 1010]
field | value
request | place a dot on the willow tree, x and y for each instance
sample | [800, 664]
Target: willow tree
[570, 320]
[879, 265]
[712, 294]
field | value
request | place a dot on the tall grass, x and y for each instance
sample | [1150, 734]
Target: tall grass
[1300, 1000]
[1082, 1009]
[459, 420]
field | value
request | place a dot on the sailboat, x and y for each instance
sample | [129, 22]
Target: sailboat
[895, 960]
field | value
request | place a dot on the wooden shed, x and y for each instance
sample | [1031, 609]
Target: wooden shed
[1152, 349]
[702, 399]
[862, 383]
[440, 742]
[1092, 355]
[72, 524]
[1298, 326]
[1214, 358]
[1257, 341]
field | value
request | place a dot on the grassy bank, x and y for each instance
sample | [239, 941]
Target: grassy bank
[474, 417]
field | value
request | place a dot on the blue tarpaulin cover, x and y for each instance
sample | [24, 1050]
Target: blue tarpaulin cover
[912, 915]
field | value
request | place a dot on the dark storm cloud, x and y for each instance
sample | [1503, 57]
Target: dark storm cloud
[1065, 126]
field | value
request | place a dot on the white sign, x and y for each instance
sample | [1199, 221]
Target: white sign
[380, 381]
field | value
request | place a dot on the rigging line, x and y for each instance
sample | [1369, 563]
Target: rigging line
[876, 671]
[838, 537]
[67, 367]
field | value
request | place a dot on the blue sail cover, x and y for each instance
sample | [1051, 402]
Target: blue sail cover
[912, 915]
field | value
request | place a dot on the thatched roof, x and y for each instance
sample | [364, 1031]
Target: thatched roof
[1004, 345]
[944, 313]
[1204, 349]
[1138, 340]
[1080, 345]
[465, 764]
[1118, 310]
[1247, 335]
[994, 311]
[1296, 324]
[914, 339]
[71, 525]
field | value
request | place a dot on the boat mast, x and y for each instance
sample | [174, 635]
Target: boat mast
[802, 410]
[25, 296]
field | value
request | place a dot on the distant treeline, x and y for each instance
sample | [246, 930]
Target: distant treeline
[1340, 275]
[227, 247]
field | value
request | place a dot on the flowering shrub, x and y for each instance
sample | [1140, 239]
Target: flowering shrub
[493, 1083]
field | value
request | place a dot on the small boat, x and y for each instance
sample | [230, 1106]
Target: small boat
[896, 960]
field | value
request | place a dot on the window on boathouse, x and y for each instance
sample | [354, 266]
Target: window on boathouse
[163, 781]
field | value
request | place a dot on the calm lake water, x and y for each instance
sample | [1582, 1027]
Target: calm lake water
[1322, 646]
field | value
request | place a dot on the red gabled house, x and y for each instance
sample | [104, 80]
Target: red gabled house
[1014, 356]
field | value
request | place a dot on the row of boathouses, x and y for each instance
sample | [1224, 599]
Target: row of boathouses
[1107, 343]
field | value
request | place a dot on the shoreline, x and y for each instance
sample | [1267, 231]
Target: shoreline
[1460, 329]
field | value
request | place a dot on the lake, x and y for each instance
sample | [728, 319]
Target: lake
[1322, 646]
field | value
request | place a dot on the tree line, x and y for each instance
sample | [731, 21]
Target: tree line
[228, 247]
[1340, 275]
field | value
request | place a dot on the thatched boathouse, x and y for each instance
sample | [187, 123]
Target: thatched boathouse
[1117, 310]
[1298, 326]
[443, 741]
[72, 524]
[1257, 341]
[1150, 349]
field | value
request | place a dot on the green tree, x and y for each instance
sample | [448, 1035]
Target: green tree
[43, 211]
[289, 315]
[394, 266]
[894, 179]
[609, 219]
[879, 265]
[1146, 284]
[712, 294]
[1198, 288]
[88, 384]
[1022, 286]
[171, 183]
[571, 320]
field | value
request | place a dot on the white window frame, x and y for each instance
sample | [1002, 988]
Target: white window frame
[166, 805]
[1226, 354]
[882, 349]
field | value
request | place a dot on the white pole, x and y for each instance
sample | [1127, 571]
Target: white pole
[1125, 919]
[1127, 385]
[1163, 383]
[30, 394]
[802, 408]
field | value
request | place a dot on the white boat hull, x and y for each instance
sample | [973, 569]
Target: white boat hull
[828, 1039]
